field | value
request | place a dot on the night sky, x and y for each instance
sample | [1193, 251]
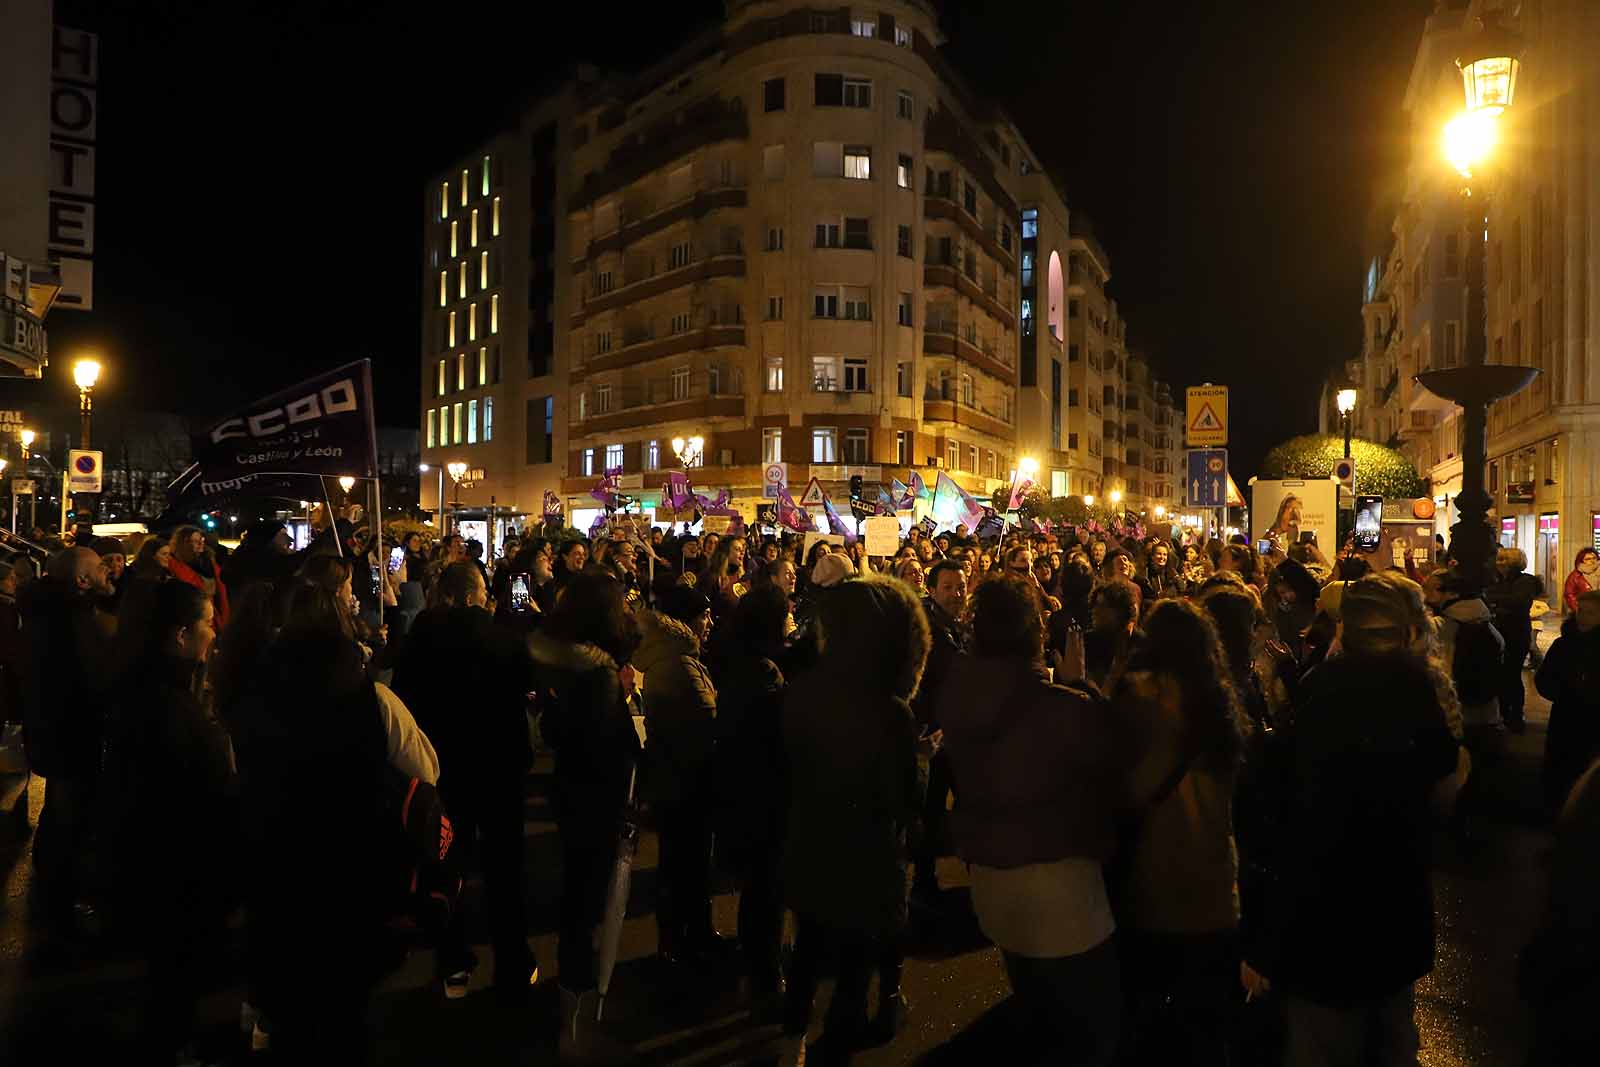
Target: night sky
[261, 163]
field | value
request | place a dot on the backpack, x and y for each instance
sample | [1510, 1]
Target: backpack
[1475, 666]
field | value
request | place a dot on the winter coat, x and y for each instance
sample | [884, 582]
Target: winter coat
[854, 788]
[1039, 765]
[949, 643]
[466, 681]
[1183, 869]
[1570, 679]
[1450, 622]
[1511, 603]
[252, 564]
[63, 683]
[751, 771]
[1351, 915]
[171, 789]
[218, 592]
[1577, 585]
[584, 718]
[680, 712]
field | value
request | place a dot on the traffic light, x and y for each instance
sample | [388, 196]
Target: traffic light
[855, 488]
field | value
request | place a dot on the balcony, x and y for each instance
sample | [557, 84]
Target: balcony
[947, 337]
[643, 346]
[641, 223]
[667, 398]
[945, 276]
[1418, 423]
[941, 403]
[715, 260]
[941, 206]
[707, 122]
[945, 133]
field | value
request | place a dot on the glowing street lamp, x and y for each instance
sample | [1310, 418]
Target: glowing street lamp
[1088, 500]
[85, 372]
[1161, 512]
[1028, 465]
[347, 483]
[688, 451]
[1116, 497]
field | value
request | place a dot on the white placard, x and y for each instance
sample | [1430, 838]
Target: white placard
[882, 534]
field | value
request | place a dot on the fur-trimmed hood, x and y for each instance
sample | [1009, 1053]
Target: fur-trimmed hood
[664, 639]
[566, 656]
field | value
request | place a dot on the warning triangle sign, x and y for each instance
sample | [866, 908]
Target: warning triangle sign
[1205, 419]
[812, 497]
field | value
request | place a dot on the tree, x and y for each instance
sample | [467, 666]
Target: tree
[1380, 471]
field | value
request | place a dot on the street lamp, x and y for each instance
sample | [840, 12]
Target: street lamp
[458, 471]
[1116, 497]
[1161, 512]
[1490, 61]
[86, 372]
[690, 451]
[1347, 407]
[1088, 500]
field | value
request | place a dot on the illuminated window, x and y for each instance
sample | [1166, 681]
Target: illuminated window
[455, 238]
[483, 366]
[824, 444]
[652, 456]
[444, 287]
[461, 371]
[472, 322]
[461, 285]
[472, 422]
[455, 414]
[952, 455]
[902, 37]
[494, 313]
[444, 425]
[772, 445]
[444, 200]
[485, 175]
[488, 418]
[602, 399]
[774, 374]
[494, 218]
[1030, 223]
[588, 461]
[483, 270]
[433, 427]
[680, 383]
[825, 374]
[441, 378]
[902, 174]
[858, 163]
[464, 180]
[864, 27]
[473, 228]
[613, 456]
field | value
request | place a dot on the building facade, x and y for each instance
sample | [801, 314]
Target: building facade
[1542, 264]
[800, 238]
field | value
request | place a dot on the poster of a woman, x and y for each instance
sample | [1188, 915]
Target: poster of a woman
[1286, 527]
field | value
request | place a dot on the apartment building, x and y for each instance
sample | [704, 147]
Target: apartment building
[1543, 444]
[800, 238]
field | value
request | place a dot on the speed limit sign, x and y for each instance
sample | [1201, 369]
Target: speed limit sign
[774, 478]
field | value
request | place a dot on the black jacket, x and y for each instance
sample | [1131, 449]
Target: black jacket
[466, 681]
[584, 717]
[64, 682]
[1570, 679]
[1510, 600]
[751, 770]
[1352, 915]
[260, 563]
[949, 643]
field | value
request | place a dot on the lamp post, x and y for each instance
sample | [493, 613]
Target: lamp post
[688, 451]
[1347, 408]
[27, 437]
[1490, 63]
[458, 471]
[86, 372]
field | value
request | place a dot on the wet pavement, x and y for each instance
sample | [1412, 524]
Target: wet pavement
[62, 1001]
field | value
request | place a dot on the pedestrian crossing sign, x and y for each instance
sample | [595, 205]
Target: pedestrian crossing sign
[1207, 422]
[812, 497]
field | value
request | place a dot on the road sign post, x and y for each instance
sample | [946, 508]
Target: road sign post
[1206, 424]
[1208, 478]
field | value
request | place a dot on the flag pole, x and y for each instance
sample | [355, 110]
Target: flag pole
[333, 523]
[383, 560]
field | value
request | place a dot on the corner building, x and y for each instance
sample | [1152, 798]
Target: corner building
[799, 237]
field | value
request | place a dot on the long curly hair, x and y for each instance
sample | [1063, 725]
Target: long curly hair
[1182, 642]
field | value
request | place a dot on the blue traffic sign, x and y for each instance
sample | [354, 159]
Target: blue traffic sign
[1208, 477]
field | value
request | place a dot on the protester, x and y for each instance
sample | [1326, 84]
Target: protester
[945, 607]
[1510, 597]
[65, 682]
[1114, 614]
[854, 790]
[1566, 679]
[1041, 768]
[481, 736]
[1178, 895]
[166, 755]
[1370, 750]
[1585, 569]
[194, 563]
[265, 555]
[588, 640]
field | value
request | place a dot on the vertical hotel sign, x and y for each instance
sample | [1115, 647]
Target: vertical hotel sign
[74, 120]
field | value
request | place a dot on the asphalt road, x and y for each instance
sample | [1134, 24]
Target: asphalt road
[62, 1001]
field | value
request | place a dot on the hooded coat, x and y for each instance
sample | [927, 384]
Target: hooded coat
[1451, 619]
[584, 718]
[680, 711]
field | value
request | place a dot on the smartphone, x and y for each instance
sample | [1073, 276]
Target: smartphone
[1264, 546]
[377, 577]
[397, 556]
[1369, 522]
[1308, 537]
[521, 600]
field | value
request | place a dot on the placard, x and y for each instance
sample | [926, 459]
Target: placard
[882, 535]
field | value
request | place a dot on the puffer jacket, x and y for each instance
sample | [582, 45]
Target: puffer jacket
[584, 718]
[680, 712]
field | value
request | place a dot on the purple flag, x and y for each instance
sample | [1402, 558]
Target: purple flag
[919, 488]
[954, 505]
[789, 513]
[836, 524]
[678, 490]
[1019, 489]
[904, 498]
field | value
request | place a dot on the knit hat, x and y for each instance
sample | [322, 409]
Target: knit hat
[832, 569]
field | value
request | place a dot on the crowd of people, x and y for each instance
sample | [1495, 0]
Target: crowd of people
[1195, 786]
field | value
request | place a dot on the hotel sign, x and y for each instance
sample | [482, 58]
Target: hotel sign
[74, 117]
[23, 342]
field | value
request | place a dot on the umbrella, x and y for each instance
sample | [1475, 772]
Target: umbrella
[616, 901]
